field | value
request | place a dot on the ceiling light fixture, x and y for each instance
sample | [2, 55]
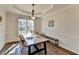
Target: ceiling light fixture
[33, 15]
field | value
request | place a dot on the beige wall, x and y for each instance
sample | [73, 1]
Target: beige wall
[66, 27]
[11, 27]
[37, 25]
[2, 28]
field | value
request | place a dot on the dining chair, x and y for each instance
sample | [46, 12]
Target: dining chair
[22, 44]
[21, 41]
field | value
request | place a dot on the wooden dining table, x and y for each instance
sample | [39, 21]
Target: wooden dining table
[34, 40]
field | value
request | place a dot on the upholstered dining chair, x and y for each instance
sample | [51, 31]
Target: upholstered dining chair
[22, 45]
[21, 41]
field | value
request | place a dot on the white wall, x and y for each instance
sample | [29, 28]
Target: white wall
[11, 27]
[2, 28]
[37, 25]
[66, 27]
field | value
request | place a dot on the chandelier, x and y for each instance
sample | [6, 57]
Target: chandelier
[33, 15]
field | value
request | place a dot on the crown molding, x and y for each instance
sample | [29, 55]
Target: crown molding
[51, 6]
[57, 11]
[27, 12]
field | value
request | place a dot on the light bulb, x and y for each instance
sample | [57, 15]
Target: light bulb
[33, 17]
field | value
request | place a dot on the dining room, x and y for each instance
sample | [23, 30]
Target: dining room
[39, 29]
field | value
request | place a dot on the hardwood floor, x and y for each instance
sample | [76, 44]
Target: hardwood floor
[13, 49]
[8, 47]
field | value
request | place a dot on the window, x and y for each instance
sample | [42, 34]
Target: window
[31, 25]
[25, 25]
[22, 25]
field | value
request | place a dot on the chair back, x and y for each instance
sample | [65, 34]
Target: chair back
[21, 41]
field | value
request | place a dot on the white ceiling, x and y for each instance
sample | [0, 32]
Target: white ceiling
[26, 9]
[38, 7]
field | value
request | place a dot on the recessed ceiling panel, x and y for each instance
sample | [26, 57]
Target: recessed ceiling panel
[28, 7]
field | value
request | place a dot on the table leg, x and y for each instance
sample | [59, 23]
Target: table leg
[36, 47]
[29, 50]
[45, 48]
